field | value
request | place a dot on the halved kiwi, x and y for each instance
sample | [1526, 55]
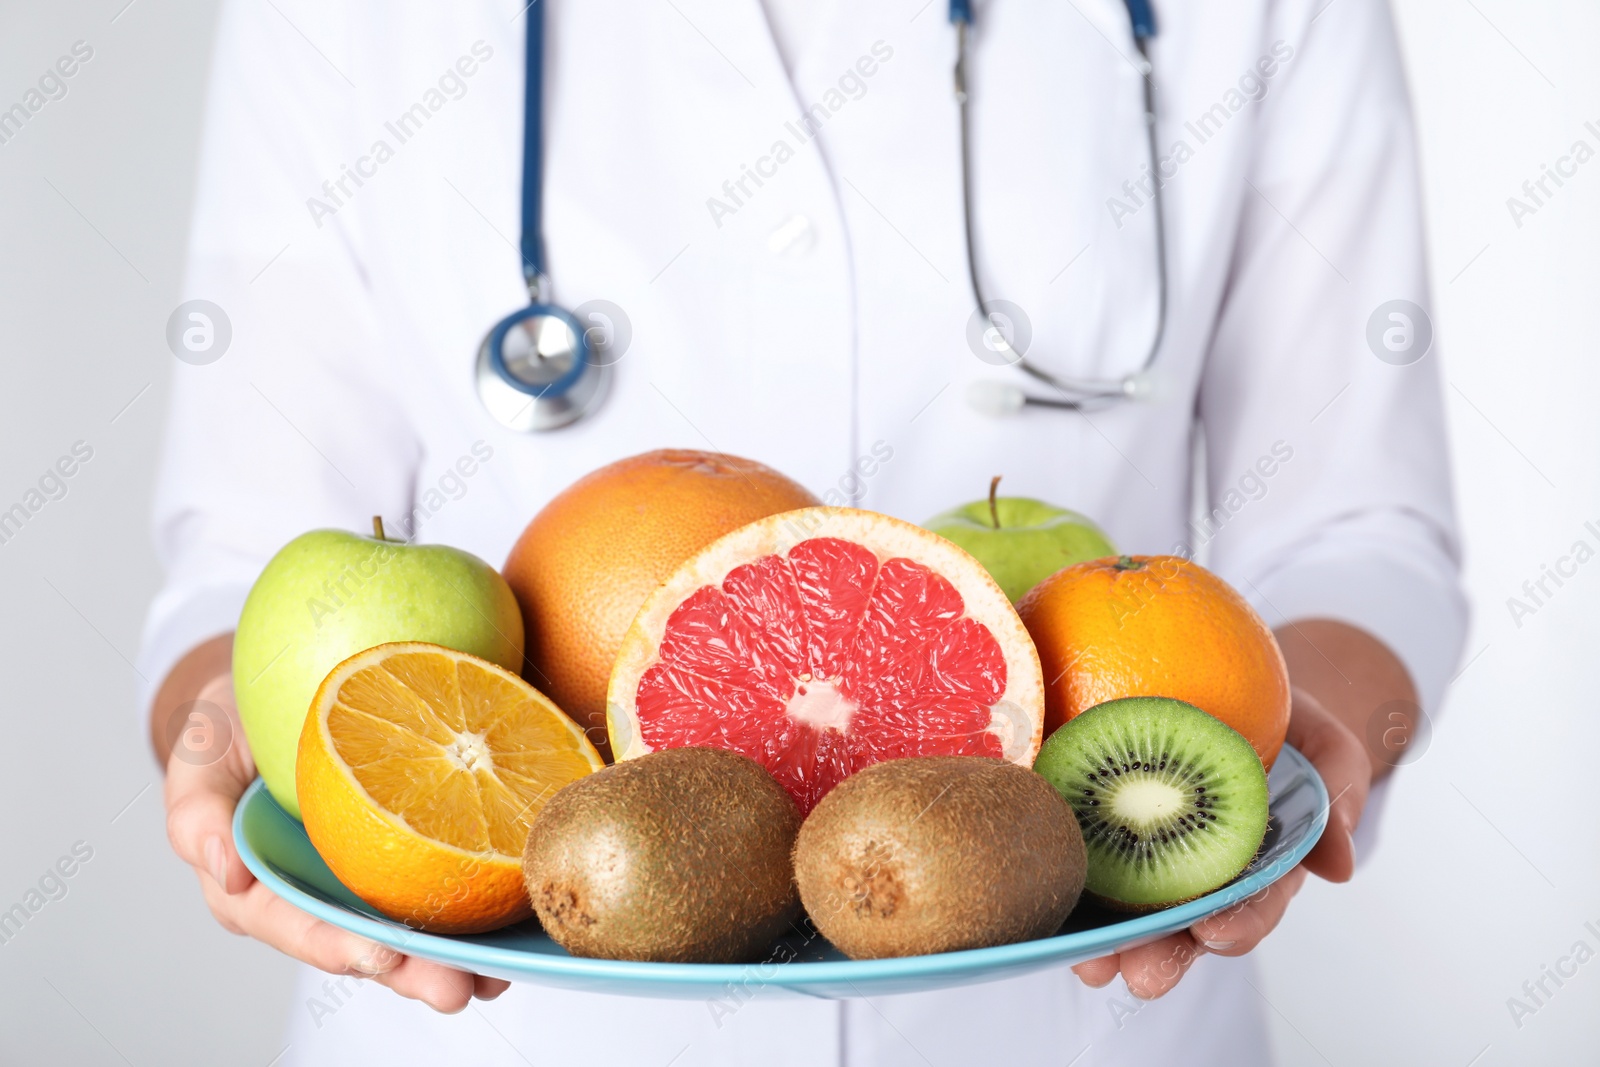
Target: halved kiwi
[1172, 802]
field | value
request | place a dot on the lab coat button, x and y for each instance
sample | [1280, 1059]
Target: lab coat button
[794, 237]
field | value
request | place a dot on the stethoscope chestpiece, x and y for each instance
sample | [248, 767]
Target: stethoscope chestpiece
[537, 371]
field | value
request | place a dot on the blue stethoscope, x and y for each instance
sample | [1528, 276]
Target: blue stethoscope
[539, 370]
[994, 397]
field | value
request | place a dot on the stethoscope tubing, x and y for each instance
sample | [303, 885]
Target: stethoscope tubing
[531, 244]
[1075, 393]
[582, 384]
[581, 387]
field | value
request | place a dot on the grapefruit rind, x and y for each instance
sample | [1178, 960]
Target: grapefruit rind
[1017, 718]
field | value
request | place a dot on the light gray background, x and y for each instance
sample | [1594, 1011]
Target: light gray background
[1489, 866]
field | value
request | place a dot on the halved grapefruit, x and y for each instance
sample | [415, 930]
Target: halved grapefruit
[822, 640]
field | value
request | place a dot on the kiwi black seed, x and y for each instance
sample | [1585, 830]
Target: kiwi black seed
[681, 855]
[1172, 802]
[938, 853]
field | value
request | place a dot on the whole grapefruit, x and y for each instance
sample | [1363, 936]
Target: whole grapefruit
[1128, 626]
[589, 559]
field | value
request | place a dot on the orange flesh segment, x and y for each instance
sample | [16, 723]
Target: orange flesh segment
[462, 755]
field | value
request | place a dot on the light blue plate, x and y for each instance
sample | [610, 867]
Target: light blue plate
[275, 848]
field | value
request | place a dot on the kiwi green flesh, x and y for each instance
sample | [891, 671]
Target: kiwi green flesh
[1172, 802]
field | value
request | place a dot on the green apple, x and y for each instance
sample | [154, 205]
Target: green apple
[329, 594]
[1021, 541]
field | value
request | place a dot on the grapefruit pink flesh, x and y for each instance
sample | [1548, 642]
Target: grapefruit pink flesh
[822, 660]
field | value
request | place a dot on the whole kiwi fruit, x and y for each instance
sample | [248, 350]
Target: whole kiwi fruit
[681, 855]
[936, 854]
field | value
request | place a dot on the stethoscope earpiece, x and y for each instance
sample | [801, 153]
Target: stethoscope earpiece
[997, 399]
[1141, 385]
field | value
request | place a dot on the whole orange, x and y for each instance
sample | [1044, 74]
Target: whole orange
[1157, 626]
[586, 563]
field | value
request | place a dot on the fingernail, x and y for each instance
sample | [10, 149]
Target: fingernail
[1350, 839]
[1137, 994]
[216, 862]
[1219, 946]
[376, 960]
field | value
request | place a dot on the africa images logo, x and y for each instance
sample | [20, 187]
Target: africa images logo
[452, 85]
[52, 485]
[199, 332]
[851, 85]
[1250, 88]
[52, 885]
[52, 85]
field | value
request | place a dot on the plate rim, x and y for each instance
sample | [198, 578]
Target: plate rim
[795, 974]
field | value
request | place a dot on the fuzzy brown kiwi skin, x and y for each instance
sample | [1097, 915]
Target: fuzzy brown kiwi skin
[1125, 908]
[681, 856]
[938, 854]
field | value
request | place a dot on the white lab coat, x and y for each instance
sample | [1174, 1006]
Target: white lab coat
[797, 294]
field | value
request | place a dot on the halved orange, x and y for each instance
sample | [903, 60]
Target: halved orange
[420, 771]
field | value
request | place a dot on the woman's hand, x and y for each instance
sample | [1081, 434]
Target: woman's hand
[1342, 759]
[201, 792]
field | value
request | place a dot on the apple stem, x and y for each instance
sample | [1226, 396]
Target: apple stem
[377, 527]
[994, 512]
